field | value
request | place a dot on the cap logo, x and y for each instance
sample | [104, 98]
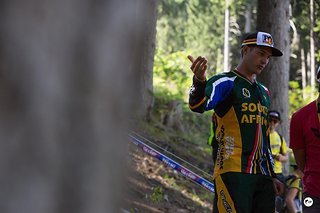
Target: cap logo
[267, 39]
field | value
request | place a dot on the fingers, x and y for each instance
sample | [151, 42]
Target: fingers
[194, 63]
[280, 191]
[199, 67]
[199, 62]
[278, 187]
[190, 58]
[204, 66]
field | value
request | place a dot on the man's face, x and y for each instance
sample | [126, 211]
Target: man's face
[273, 123]
[256, 58]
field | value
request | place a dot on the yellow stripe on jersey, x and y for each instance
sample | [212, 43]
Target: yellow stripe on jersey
[198, 104]
[230, 144]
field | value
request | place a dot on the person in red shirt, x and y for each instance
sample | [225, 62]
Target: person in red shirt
[305, 143]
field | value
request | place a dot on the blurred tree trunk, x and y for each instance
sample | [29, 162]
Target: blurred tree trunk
[146, 75]
[248, 18]
[273, 17]
[226, 65]
[303, 72]
[309, 67]
[312, 48]
[68, 84]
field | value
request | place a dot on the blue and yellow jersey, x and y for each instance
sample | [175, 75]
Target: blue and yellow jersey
[241, 108]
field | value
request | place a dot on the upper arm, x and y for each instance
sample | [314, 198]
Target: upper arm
[284, 147]
[218, 90]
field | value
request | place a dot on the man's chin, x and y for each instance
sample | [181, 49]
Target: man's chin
[258, 71]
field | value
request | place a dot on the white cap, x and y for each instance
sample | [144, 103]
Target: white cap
[261, 39]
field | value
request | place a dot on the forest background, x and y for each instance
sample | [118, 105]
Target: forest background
[73, 73]
[214, 28]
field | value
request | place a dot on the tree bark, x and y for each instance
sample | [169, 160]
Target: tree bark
[303, 72]
[68, 86]
[248, 18]
[273, 17]
[226, 57]
[312, 49]
[149, 43]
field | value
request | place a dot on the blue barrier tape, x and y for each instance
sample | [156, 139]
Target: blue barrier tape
[174, 165]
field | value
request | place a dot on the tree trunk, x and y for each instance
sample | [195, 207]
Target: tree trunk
[308, 68]
[68, 84]
[273, 17]
[149, 43]
[312, 49]
[303, 72]
[226, 38]
[248, 18]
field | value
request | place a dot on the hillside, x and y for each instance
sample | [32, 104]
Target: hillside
[154, 186]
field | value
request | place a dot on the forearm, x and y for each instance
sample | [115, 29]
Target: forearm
[290, 206]
[197, 98]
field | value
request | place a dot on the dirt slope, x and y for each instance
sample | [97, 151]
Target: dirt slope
[155, 187]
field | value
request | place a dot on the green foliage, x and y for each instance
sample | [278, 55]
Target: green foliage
[172, 76]
[157, 194]
[318, 57]
[192, 24]
[298, 97]
[196, 27]
[301, 20]
[196, 126]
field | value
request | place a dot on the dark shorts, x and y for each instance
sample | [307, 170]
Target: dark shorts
[310, 204]
[243, 193]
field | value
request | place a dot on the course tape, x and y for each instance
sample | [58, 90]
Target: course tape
[174, 165]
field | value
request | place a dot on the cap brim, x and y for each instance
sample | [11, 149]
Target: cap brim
[276, 52]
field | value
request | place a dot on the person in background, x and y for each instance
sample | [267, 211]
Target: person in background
[305, 144]
[278, 144]
[293, 199]
[244, 179]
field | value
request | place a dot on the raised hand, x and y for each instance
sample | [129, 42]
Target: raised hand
[199, 67]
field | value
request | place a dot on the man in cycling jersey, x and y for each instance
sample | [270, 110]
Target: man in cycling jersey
[243, 172]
